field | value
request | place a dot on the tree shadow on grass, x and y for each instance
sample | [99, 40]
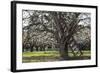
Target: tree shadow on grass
[51, 59]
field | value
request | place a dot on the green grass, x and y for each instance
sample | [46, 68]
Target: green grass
[42, 56]
[40, 53]
[49, 53]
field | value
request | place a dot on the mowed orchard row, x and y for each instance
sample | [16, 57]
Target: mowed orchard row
[50, 56]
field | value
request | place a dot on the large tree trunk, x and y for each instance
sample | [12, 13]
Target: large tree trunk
[63, 52]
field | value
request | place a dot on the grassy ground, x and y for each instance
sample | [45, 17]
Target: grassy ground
[46, 56]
